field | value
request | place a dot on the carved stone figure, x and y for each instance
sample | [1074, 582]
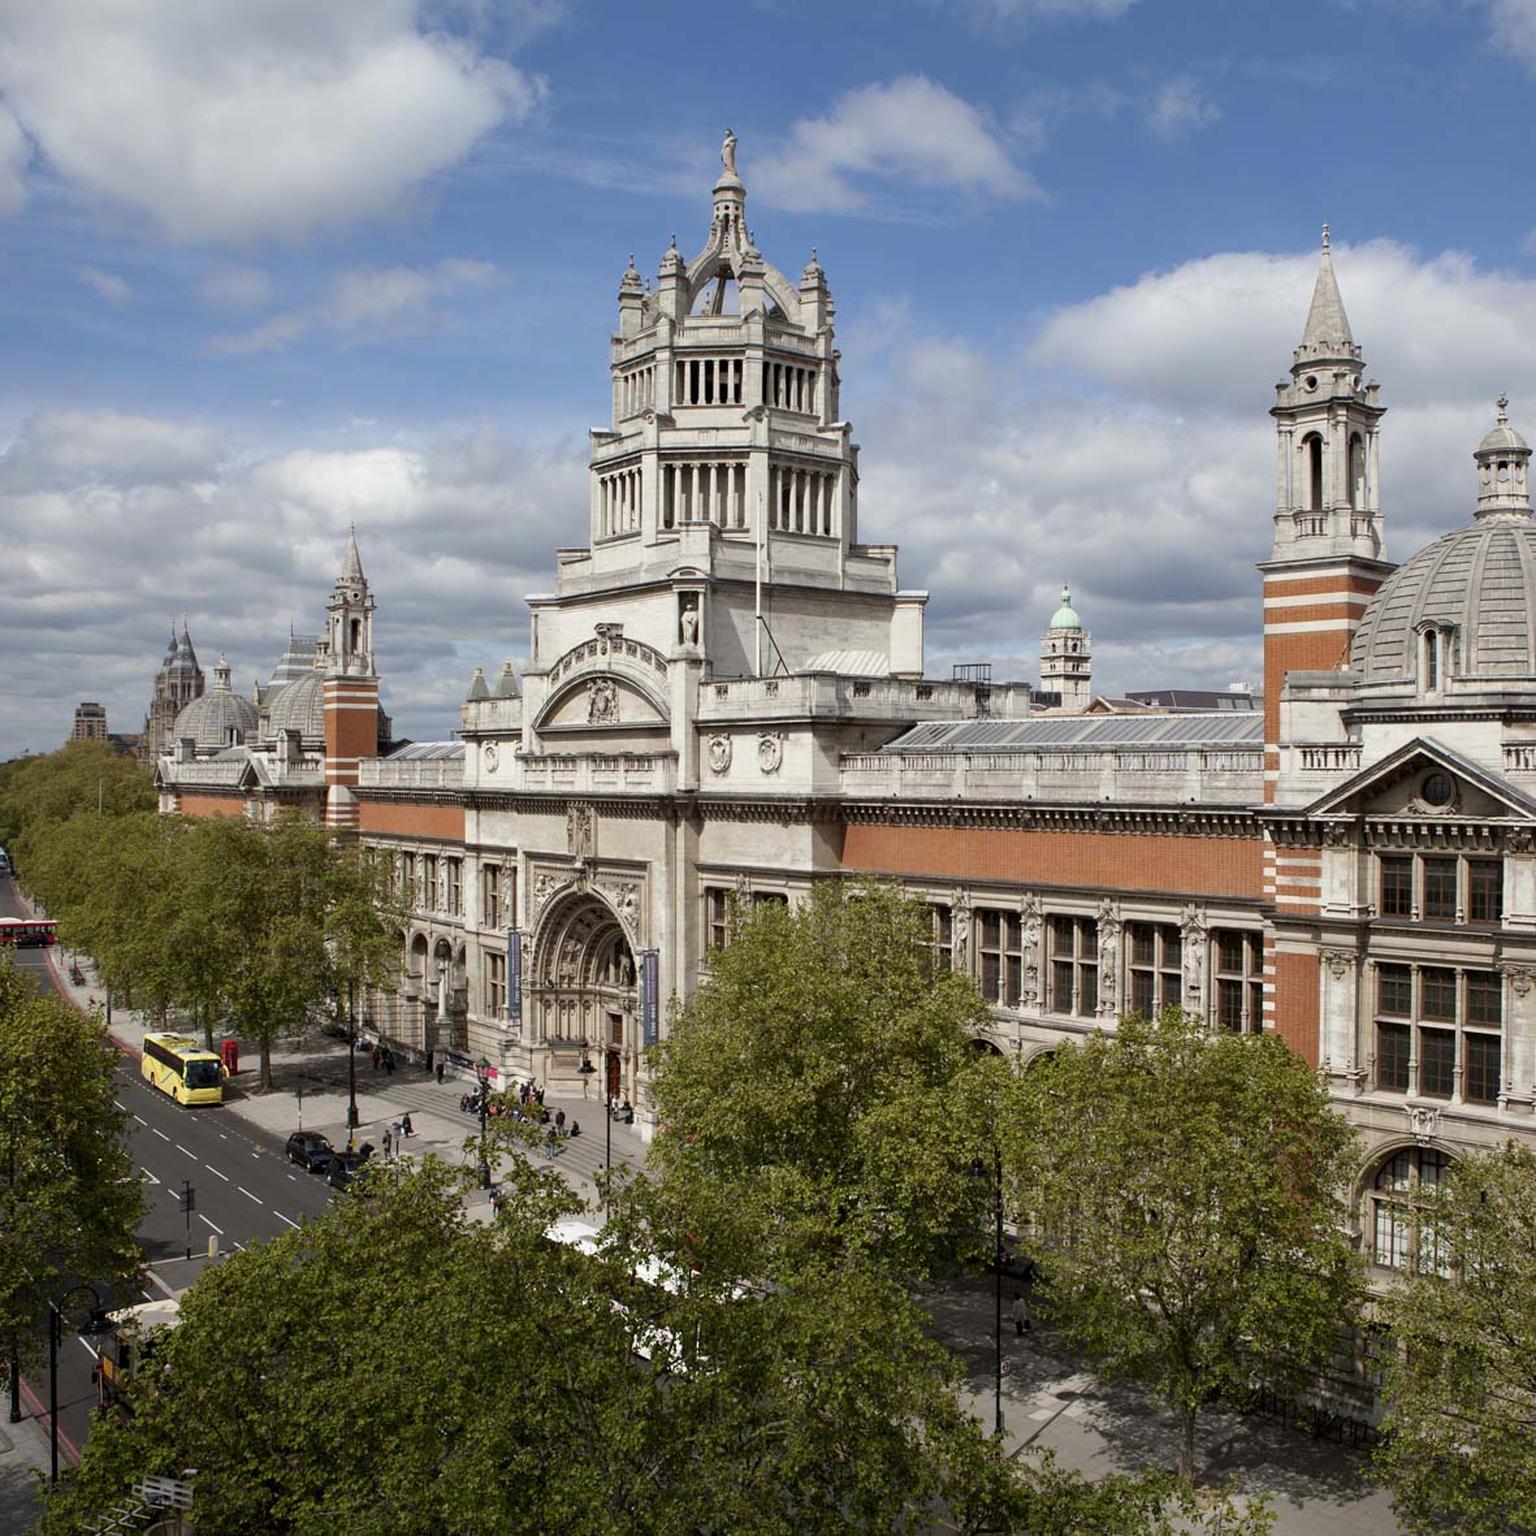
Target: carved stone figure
[625, 901]
[688, 619]
[1424, 1120]
[1193, 930]
[960, 930]
[602, 701]
[719, 753]
[1029, 937]
[1340, 962]
[770, 751]
[1109, 954]
[579, 831]
[543, 888]
[728, 153]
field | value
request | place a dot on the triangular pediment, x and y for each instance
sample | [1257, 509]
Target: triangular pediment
[1404, 784]
[603, 701]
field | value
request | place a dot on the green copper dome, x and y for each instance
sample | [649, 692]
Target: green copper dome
[1066, 617]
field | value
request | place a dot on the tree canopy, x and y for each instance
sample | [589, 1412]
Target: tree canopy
[1188, 1194]
[1460, 1450]
[36, 793]
[394, 1367]
[822, 1085]
[71, 1203]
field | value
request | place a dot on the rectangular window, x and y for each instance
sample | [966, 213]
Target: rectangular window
[1075, 966]
[717, 912]
[495, 984]
[1485, 891]
[1480, 1073]
[769, 899]
[490, 895]
[1391, 1235]
[453, 871]
[1001, 970]
[1440, 888]
[429, 892]
[942, 944]
[409, 888]
[1239, 980]
[1393, 1042]
[1394, 990]
[1156, 976]
[1485, 998]
[1437, 1063]
[1437, 998]
[1396, 886]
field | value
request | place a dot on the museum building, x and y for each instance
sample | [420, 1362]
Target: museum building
[725, 701]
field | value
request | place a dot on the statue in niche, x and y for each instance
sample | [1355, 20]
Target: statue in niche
[728, 153]
[688, 619]
[602, 701]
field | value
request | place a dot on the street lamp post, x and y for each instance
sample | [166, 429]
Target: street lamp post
[55, 1328]
[587, 1069]
[351, 1065]
[997, 1284]
[483, 1073]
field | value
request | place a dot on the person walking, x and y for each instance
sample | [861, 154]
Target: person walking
[388, 1143]
[389, 1062]
[439, 1072]
[375, 1058]
[1020, 1315]
[559, 1119]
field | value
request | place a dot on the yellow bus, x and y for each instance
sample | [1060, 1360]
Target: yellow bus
[182, 1068]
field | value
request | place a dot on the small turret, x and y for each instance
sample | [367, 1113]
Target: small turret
[1503, 461]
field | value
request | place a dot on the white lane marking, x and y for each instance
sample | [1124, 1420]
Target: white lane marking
[222, 1136]
[248, 1195]
[120, 1105]
[87, 1348]
[294, 1177]
[161, 1134]
[185, 1153]
[213, 1170]
[148, 1175]
[288, 1219]
[207, 1223]
[141, 1119]
[255, 1154]
[241, 1247]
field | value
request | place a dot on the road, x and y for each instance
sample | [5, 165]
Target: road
[244, 1190]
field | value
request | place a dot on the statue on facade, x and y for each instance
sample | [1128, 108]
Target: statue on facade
[728, 153]
[688, 621]
[602, 701]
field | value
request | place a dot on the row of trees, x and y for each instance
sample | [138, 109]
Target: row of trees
[230, 923]
[831, 1143]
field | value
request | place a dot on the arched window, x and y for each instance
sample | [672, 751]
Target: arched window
[1431, 667]
[1356, 470]
[1312, 454]
[1402, 1222]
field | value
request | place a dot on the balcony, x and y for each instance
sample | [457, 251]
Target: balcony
[1329, 758]
[632, 773]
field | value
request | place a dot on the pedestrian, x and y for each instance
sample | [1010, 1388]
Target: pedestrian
[549, 1143]
[389, 1062]
[375, 1058]
[439, 1072]
[429, 1063]
[388, 1141]
[575, 1128]
[1020, 1315]
[538, 1093]
[559, 1119]
[406, 1128]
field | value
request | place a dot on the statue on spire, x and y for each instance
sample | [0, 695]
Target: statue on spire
[728, 153]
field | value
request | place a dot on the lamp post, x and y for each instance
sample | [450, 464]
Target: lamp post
[482, 1072]
[587, 1069]
[997, 1286]
[351, 1065]
[55, 1328]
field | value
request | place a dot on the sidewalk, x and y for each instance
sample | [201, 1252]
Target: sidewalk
[1052, 1399]
[309, 1076]
[23, 1463]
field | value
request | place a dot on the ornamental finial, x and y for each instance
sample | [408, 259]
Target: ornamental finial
[1325, 234]
[1502, 404]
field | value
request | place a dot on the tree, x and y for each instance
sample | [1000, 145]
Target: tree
[71, 1203]
[39, 792]
[823, 1074]
[1188, 1189]
[394, 1368]
[1460, 1449]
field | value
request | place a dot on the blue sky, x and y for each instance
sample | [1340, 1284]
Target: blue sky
[267, 267]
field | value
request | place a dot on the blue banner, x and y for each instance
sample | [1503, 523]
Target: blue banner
[515, 975]
[650, 987]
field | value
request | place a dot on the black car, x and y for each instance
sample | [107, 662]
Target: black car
[311, 1151]
[344, 1167]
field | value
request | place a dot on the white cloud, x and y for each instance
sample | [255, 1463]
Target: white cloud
[366, 304]
[908, 133]
[453, 532]
[1514, 28]
[235, 287]
[108, 284]
[1178, 108]
[1127, 448]
[267, 119]
[1012, 11]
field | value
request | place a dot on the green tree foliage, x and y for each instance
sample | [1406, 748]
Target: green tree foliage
[71, 1206]
[37, 793]
[394, 1368]
[1189, 1193]
[1460, 1452]
[822, 1086]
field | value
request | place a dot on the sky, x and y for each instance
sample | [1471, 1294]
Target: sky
[269, 267]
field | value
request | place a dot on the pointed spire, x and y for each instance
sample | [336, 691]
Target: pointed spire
[352, 566]
[477, 688]
[506, 684]
[1327, 333]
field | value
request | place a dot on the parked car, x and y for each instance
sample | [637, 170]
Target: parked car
[344, 1168]
[311, 1151]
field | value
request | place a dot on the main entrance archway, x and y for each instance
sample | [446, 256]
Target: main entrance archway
[582, 994]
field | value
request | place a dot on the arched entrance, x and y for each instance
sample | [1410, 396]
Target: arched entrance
[582, 995]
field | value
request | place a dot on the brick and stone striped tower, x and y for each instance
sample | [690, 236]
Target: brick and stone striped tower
[1325, 568]
[351, 688]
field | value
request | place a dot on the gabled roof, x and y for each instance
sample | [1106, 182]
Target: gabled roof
[1335, 801]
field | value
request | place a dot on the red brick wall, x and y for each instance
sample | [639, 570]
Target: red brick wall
[411, 819]
[210, 806]
[1297, 984]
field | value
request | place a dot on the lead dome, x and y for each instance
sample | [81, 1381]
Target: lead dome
[218, 719]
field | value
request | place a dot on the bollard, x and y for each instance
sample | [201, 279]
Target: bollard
[213, 1247]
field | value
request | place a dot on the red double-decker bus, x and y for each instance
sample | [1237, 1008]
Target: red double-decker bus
[28, 932]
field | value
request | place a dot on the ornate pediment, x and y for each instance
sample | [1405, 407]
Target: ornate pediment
[604, 701]
[1425, 779]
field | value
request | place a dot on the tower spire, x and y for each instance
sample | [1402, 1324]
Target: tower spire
[1327, 332]
[352, 566]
